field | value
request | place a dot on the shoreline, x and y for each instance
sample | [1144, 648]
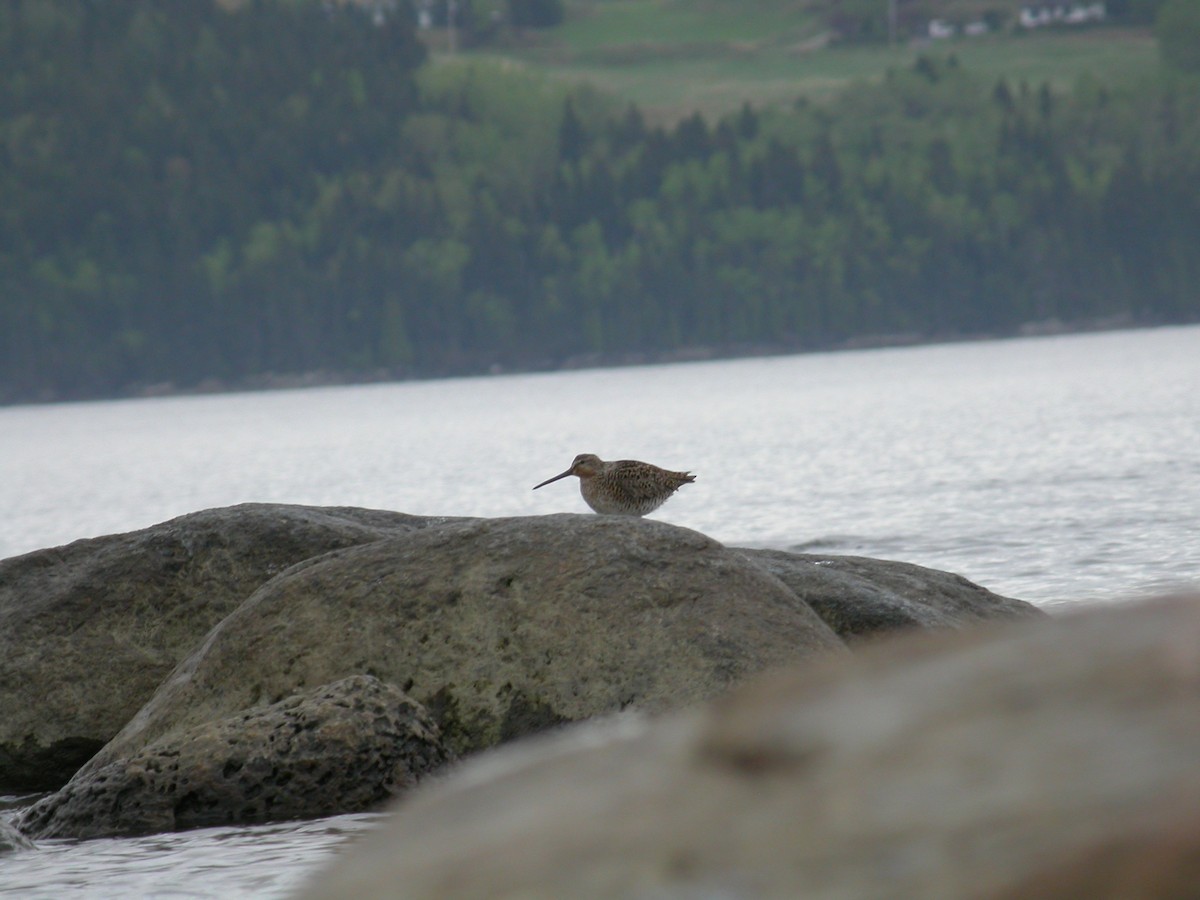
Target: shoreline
[271, 381]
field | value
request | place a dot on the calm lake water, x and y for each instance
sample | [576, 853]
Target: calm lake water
[1059, 470]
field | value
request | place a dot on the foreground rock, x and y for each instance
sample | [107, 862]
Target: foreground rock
[12, 839]
[88, 631]
[501, 627]
[344, 747]
[1010, 761]
[865, 598]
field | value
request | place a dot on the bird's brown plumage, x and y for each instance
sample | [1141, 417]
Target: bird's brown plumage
[623, 487]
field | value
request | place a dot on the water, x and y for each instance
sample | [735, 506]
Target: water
[254, 862]
[1059, 470]
[1053, 469]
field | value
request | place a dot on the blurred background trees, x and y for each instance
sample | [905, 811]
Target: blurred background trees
[191, 194]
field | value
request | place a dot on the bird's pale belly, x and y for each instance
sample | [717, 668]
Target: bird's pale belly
[607, 503]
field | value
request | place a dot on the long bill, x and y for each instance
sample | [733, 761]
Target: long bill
[555, 478]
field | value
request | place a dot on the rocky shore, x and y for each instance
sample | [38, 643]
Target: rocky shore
[614, 707]
[269, 661]
[1033, 761]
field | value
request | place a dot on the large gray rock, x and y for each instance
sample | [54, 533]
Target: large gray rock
[1006, 761]
[865, 598]
[344, 747]
[89, 630]
[12, 839]
[1155, 856]
[500, 627]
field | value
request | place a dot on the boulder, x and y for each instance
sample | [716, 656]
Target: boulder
[12, 839]
[343, 747]
[863, 598]
[89, 630]
[501, 627]
[1155, 856]
[964, 763]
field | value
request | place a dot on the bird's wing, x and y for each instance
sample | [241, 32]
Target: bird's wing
[639, 481]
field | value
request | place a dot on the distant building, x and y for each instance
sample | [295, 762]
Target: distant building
[939, 29]
[1075, 14]
[1066, 15]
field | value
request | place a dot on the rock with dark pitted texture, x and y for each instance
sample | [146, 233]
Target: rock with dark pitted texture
[343, 747]
[89, 630]
[1057, 757]
[501, 627]
[863, 598]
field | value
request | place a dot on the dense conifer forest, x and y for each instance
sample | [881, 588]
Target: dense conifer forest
[190, 195]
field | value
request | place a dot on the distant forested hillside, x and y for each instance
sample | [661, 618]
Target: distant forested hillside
[189, 195]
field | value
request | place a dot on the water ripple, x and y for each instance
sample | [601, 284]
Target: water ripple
[261, 861]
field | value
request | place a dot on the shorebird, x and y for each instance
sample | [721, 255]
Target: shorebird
[623, 487]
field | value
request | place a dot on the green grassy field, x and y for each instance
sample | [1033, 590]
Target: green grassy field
[672, 57]
[601, 28]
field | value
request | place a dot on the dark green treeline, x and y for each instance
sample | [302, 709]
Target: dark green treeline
[190, 194]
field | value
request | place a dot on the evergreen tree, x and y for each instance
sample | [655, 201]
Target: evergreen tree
[188, 193]
[1178, 31]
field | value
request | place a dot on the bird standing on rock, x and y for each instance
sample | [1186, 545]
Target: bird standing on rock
[623, 487]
